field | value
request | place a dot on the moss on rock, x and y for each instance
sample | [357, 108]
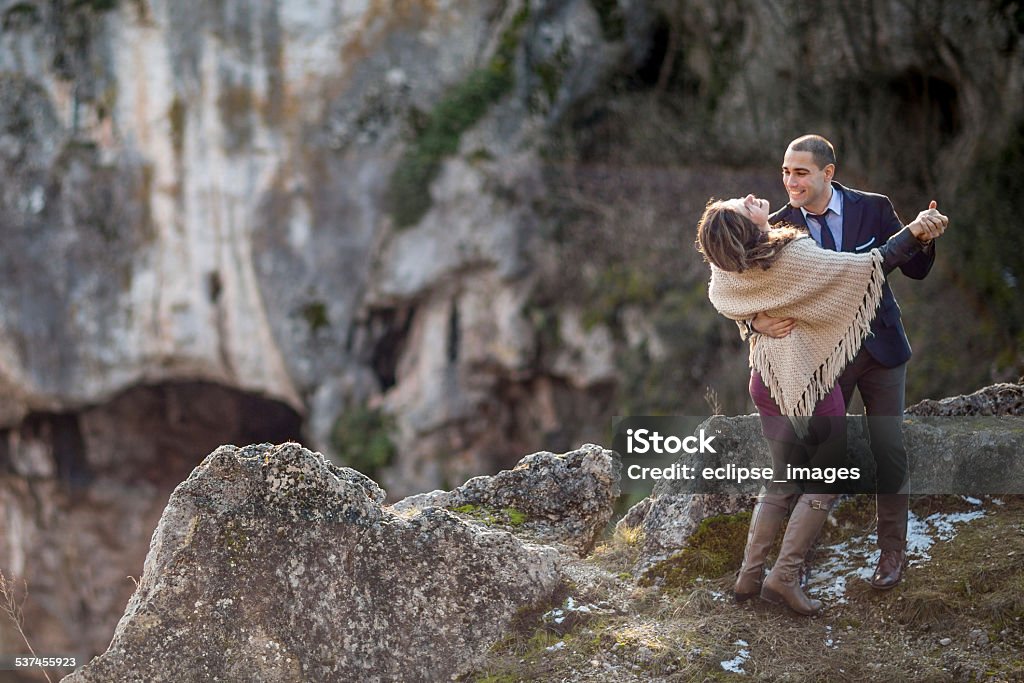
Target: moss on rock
[715, 548]
[481, 513]
[362, 437]
[461, 108]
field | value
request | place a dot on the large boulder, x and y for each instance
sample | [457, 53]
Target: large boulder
[567, 499]
[272, 564]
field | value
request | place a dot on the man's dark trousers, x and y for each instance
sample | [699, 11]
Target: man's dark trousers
[883, 389]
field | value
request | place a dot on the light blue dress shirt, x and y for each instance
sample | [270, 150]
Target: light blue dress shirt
[833, 217]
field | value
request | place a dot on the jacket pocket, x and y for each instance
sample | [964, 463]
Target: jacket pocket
[864, 247]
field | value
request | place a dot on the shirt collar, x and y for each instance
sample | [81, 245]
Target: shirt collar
[835, 204]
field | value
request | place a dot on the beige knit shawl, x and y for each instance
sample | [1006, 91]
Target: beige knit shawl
[833, 297]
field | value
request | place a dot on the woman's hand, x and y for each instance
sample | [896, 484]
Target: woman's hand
[929, 224]
[776, 328]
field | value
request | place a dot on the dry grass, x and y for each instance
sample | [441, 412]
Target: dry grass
[925, 606]
[13, 608]
[620, 552]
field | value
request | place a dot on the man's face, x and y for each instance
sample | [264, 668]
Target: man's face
[807, 185]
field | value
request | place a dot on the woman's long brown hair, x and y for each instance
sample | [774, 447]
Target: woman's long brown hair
[731, 241]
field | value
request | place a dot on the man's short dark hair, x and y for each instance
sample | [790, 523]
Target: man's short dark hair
[820, 148]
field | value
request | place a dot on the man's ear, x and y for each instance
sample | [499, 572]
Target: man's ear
[830, 171]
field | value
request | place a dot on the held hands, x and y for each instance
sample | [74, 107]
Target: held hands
[929, 224]
[773, 327]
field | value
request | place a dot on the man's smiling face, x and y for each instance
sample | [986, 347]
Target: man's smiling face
[807, 185]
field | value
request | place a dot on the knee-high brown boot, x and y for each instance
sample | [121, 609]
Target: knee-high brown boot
[782, 585]
[765, 523]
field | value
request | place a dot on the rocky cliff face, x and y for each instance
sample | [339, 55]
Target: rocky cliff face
[215, 193]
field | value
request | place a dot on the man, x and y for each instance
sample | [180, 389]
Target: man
[843, 219]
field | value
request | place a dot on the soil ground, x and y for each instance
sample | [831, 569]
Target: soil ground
[958, 615]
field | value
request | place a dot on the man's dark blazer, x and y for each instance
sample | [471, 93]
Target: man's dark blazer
[868, 221]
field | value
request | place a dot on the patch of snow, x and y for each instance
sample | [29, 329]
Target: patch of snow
[559, 614]
[944, 524]
[735, 665]
[859, 556]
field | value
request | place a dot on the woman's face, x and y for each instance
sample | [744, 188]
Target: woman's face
[754, 208]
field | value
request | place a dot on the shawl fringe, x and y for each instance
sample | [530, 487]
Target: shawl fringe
[825, 377]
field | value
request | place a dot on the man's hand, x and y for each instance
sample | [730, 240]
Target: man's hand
[773, 327]
[929, 224]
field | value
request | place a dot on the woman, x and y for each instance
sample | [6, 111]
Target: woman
[833, 296]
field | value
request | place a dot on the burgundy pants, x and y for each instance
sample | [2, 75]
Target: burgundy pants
[824, 446]
[832, 405]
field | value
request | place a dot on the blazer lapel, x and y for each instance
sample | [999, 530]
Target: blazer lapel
[796, 217]
[853, 226]
[788, 214]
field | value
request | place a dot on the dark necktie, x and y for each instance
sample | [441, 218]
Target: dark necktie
[827, 241]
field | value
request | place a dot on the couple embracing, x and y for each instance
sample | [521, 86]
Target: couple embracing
[807, 287]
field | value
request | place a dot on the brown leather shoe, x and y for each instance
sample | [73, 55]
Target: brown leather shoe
[890, 569]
